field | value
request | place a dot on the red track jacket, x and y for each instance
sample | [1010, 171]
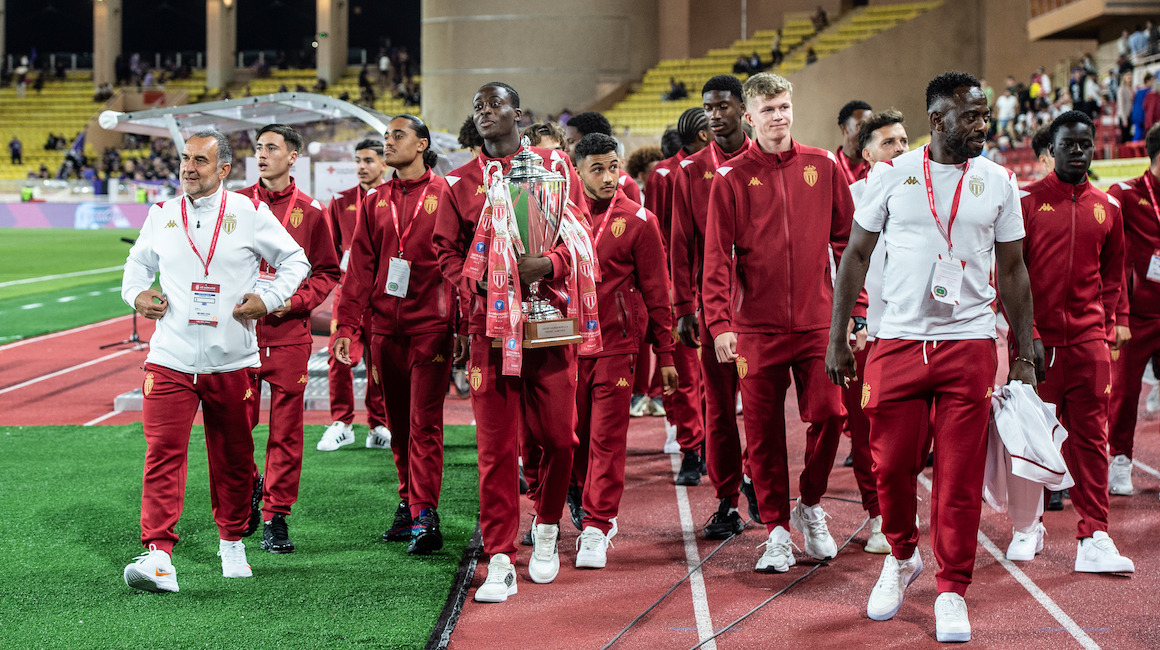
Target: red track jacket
[658, 195]
[772, 221]
[1142, 240]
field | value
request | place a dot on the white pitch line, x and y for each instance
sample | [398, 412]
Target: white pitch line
[1027, 583]
[65, 371]
[1148, 469]
[692, 559]
[101, 419]
[32, 305]
[74, 330]
[58, 276]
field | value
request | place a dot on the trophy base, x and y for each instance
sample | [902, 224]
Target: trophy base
[548, 333]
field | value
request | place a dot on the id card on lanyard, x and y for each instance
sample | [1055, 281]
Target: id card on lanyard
[947, 275]
[205, 298]
[399, 269]
[1154, 262]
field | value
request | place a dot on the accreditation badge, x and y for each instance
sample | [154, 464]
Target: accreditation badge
[398, 277]
[1154, 267]
[947, 280]
[205, 304]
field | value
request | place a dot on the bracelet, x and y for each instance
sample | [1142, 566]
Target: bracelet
[1025, 360]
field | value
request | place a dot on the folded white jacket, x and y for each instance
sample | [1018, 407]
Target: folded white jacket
[1025, 439]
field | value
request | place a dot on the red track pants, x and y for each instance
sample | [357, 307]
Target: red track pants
[904, 381]
[723, 453]
[764, 364]
[284, 368]
[603, 394]
[168, 411]
[543, 399]
[341, 382]
[684, 409]
[859, 427]
[1127, 372]
[412, 373]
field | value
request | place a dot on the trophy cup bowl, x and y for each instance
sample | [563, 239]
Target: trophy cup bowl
[539, 199]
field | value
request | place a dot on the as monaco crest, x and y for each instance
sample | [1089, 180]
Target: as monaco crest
[430, 203]
[618, 227]
[148, 387]
[229, 223]
[742, 366]
[586, 268]
[810, 175]
[499, 279]
[1100, 213]
[296, 217]
[476, 378]
[976, 185]
[865, 394]
[590, 300]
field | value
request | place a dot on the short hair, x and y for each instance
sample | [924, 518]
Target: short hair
[225, 153]
[692, 122]
[945, 85]
[590, 122]
[671, 142]
[1041, 141]
[540, 130]
[469, 136]
[595, 144]
[851, 106]
[640, 159]
[1071, 117]
[293, 138]
[765, 84]
[875, 122]
[1152, 141]
[726, 83]
[371, 144]
[515, 97]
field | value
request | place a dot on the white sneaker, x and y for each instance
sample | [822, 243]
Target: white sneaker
[739, 409]
[500, 582]
[234, 564]
[886, 597]
[1152, 404]
[877, 542]
[778, 555]
[545, 561]
[1025, 546]
[951, 624]
[335, 436]
[638, 406]
[811, 522]
[671, 444]
[592, 548]
[152, 571]
[1120, 476]
[379, 438]
[1098, 554]
[656, 407]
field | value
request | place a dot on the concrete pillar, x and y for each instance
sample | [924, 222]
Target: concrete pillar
[221, 42]
[333, 21]
[673, 29]
[106, 40]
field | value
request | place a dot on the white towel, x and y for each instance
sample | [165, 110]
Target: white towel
[1024, 440]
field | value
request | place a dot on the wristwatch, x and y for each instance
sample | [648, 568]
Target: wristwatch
[859, 324]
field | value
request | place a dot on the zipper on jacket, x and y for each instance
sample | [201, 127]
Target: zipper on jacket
[789, 254]
[1070, 267]
[622, 314]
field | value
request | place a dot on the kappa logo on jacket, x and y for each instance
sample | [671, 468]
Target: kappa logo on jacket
[381, 204]
[248, 395]
[351, 207]
[708, 176]
[1144, 202]
[1046, 207]
[753, 182]
[303, 379]
[480, 190]
[171, 224]
[910, 181]
[622, 383]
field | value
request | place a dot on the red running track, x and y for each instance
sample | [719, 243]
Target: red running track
[41, 383]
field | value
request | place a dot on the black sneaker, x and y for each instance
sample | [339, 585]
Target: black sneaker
[276, 536]
[849, 462]
[425, 535]
[1055, 500]
[255, 507]
[400, 530]
[724, 524]
[576, 505]
[527, 540]
[751, 499]
[523, 482]
[690, 473]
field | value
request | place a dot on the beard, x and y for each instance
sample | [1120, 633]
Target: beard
[959, 144]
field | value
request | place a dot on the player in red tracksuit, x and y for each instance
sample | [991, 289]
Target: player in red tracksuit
[1139, 308]
[394, 272]
[1074, 250]
[634, 297]
[682, 408]
[723, 453]
[850, 161]
[775, 212]
[342, 213]
[543, 396]
[284, 335]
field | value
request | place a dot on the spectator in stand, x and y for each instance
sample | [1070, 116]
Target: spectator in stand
[741, 65]
[820, 19]
[1006, 107]
[1153, 38]
[1138, 42]
[811, 56]
[775, 54]
[1122, 47]
[16, 148]
[755, 64]
[1152, 106]
[1124, 106]
[1138, 108]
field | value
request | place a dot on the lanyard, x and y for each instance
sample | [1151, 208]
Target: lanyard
[607, 218]
[289, 208]
[216, 231]
[1151, 193]
[946, 232]
[402, 236]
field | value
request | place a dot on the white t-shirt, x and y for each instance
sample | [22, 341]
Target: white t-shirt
[873, 284]
[1005, 106]
[895, 204]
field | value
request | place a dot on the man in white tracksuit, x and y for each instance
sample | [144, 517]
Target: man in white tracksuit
[207, 246]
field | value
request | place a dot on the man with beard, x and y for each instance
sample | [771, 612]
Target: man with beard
[935, 347]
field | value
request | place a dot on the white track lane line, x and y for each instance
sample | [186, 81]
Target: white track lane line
[65, 371]
[1027, 583]
[1148, 469]
[38, 339]
[101, 419]
[692, 559]
[76, 274]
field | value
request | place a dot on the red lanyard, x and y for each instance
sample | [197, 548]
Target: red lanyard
[289, 209]
[1151, 194]
[402, 236]
[713, 152]
[946, 232]
[607, 218]
[217, 231]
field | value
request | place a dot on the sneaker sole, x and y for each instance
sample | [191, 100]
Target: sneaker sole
[688, 482]
[319, 447]
[372, 445]
[877, 549]
[886, 616]
[496, 599]
[674, 448]
[1086, 567]
[953, 637]
[240, 575]
[279, 549]
[796, 522]
[1121, 493]
[773, 567]
[144, 582]
[593, 563]
[543, 580]
[425, 544]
